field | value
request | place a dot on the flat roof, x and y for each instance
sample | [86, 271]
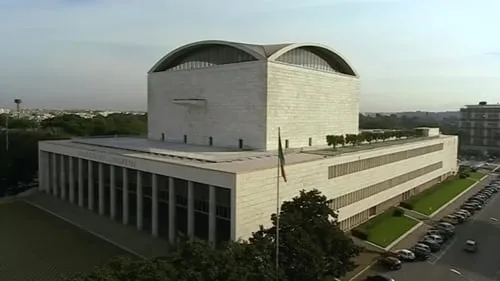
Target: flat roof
[217, 158]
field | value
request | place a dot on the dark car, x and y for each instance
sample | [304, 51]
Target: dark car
[421, 254]
[379, 277]
[435, 247]
[391, 263]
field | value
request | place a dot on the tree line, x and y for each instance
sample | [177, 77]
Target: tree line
[369, 137]
[19, 149]
[311, 247]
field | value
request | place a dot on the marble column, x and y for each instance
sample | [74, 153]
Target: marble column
[90, 186]
[42, 185]
[112, 191]
[154, 205]
[139, 201]
[172, 225]
[62, 171]
[101, 187]
[190, 209]
[212, 211]
[125, 195]
[71, 180]
[54, 182]
[80, 182]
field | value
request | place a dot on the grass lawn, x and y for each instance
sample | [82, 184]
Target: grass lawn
[432, 199]
[476, 175]
[385, 228]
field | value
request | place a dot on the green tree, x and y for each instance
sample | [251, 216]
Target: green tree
[312, 246]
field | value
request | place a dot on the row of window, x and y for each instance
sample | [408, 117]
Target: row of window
[377, 161]
[366, 192]
[493, 125]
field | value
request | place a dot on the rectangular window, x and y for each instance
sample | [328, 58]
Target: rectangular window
[286, 143]
[240, 143]
[185, 138]
[210, 141]
[162, 136]
[310, 141]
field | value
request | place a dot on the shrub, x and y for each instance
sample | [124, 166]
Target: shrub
[464, 175]
[406, 205]
[398, 212]
[359, 233]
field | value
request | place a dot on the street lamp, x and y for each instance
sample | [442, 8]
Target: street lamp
[460, 274]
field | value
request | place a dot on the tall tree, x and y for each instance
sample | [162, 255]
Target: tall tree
[312, 246]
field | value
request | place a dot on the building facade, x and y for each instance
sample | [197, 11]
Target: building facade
[208, 166]
[480, 127]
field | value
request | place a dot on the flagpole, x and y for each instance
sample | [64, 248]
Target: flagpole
[278, 209]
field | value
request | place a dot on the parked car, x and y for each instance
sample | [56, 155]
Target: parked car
[421, 254]
[465, 212]
[446, 234]
[433, 245]
[470, 246]
[446, 226]
[450, 219]
[460, 216]
[405, 255]
[422, 247]
[469, 208]
[379, 277]
[435, 237]
[391, 263]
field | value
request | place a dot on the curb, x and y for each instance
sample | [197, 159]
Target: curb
[457, 197]
[362, 271]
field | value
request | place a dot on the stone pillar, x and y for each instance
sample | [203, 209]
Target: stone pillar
[212, 212]
[154, 205]
[101, 188]
[62, 171]
[125, 196]
[71, 180]
[139, 200]
[190, 209]
[233, 213]
[90, 186]
[172, 225]
[42, 184]
[112, 192]
[54, 182]
[80, 182]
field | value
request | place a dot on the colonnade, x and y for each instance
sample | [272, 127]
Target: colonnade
[74, 179]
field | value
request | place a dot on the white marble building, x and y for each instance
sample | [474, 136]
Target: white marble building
[208, 166]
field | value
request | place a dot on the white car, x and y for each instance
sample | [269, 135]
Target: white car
[405, 255]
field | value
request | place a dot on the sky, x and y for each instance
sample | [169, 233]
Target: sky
[431, 55]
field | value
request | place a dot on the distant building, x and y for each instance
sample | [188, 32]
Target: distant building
[480, 127]
[208, 166]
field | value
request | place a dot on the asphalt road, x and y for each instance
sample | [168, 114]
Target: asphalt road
[481, 266]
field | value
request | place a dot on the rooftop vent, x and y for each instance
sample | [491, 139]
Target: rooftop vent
[483, 103]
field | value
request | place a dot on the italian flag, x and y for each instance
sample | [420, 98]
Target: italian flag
[281, 157]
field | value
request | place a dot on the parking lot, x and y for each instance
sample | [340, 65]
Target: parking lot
[452, 262]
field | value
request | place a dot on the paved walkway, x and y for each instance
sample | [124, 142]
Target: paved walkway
[126, 237]
[413, 237]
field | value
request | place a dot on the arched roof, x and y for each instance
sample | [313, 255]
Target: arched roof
[258, 52]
